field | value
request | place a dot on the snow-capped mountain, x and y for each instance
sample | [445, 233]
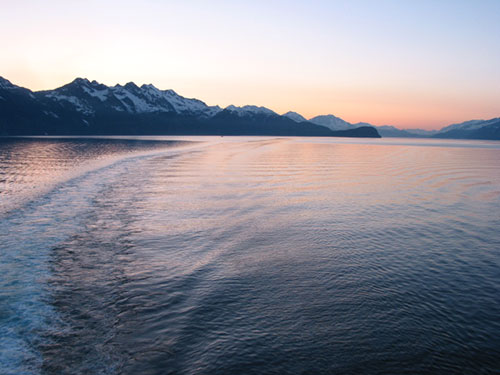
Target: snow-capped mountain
[90, 97]
[179, 103]
[331, 122]
[470, 125]
[89, 107]
[474, 129]
[297, 117]
[249, 110]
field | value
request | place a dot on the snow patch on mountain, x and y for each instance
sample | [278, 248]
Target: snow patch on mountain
[93, 98]
[80, 106]
[332, 122]
[469, 125]
[185, 105]
[250, 110]
[297, 117]
[132, 102]
[102, 95]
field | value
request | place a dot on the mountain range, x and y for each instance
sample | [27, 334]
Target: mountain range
[474, 129]
[85, 107]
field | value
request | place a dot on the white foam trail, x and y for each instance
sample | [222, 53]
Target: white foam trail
[27, 237]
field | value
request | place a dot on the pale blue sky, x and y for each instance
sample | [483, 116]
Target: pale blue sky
[408, 63]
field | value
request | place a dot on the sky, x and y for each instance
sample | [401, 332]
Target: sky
[407, 63]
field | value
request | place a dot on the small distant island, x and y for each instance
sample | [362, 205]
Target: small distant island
[85, 107]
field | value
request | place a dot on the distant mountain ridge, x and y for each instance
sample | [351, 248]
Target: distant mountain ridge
[84, 107]
[473, 129]
[89, 107]
[332, 122]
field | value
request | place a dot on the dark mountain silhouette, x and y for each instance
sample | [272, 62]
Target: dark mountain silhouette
[85, 107]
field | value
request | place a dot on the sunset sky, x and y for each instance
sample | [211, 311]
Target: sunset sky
[407, 63]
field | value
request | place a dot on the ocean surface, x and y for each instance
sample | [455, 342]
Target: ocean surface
[249, 255]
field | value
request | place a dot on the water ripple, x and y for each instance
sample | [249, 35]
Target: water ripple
[265, 256]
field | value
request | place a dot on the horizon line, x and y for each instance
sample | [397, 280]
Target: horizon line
[308, 119]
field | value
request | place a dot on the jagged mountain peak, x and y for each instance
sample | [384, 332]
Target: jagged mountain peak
[90, 97]
[93, 105]
[149, 86]
[79, 81]
[131, 86]
[90, 101]
[82, 84]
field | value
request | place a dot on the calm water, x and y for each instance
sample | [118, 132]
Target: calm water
[249, 256]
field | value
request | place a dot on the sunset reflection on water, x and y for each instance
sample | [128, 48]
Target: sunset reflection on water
[251, 255]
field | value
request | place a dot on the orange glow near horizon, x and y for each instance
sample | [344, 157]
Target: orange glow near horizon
[404, 111]
[375, 63]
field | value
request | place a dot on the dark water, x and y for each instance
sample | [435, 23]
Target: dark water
[249, 256]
